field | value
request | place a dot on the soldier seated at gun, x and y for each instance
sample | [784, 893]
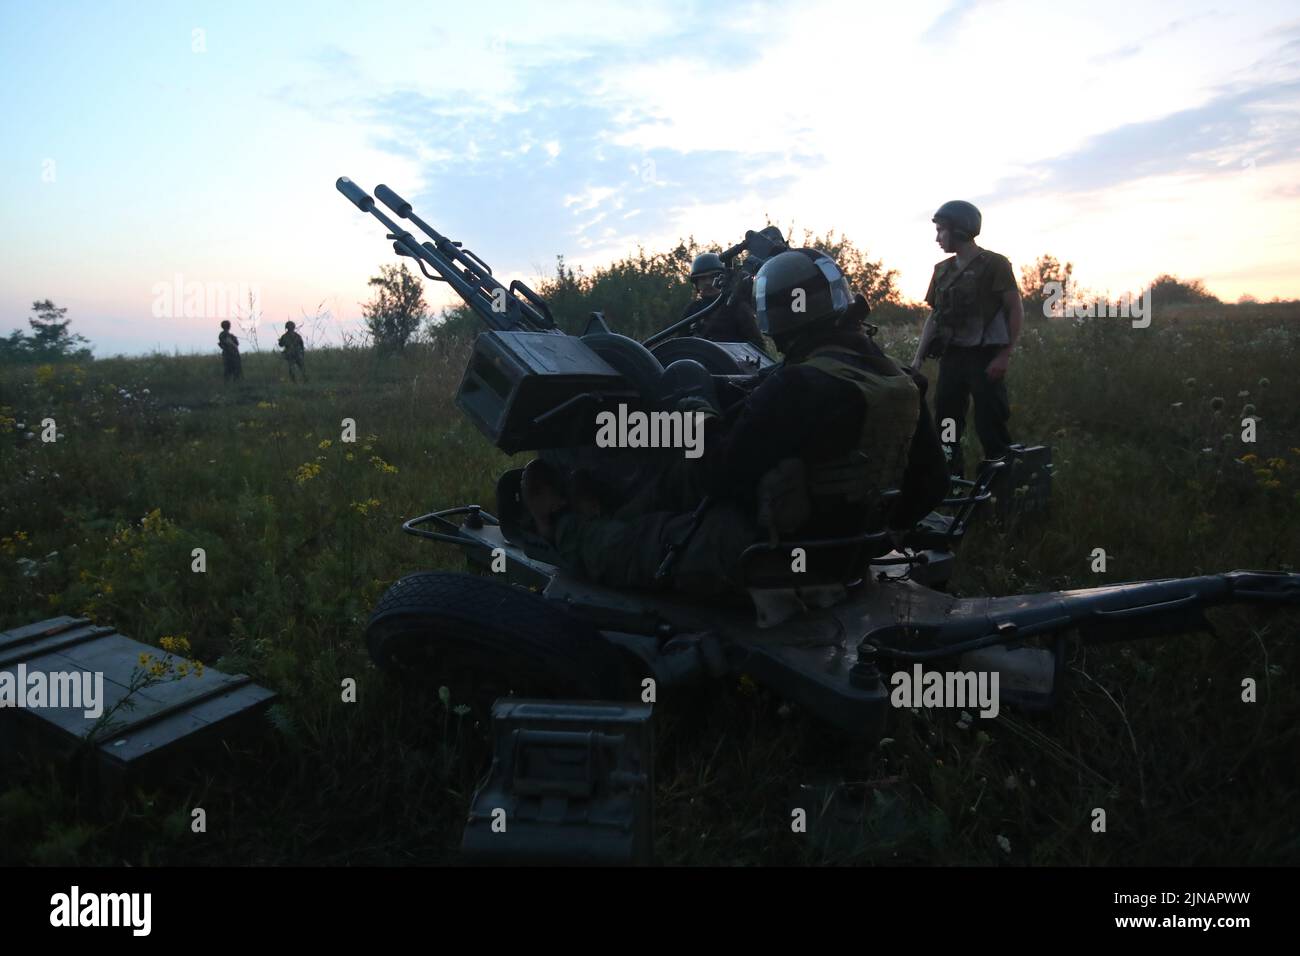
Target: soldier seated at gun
[231, 367]
[807, 453]
[732, 321]
[294, 351]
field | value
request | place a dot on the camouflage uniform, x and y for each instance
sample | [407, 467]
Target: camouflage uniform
[231, 366]
[844, 409]
[294, 351]
[970, 323]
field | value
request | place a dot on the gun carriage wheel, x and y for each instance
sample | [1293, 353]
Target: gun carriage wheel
[485, 639]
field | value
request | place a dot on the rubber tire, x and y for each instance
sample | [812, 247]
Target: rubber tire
[507, 640]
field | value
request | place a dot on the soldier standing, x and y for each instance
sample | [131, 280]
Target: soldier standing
[228, 342]
[294, 350]
[734, 322]
[975, 319]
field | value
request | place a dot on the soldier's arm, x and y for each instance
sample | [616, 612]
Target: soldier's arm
[777, 421]
[1015, 309]
[927, 330]
[1004, 283]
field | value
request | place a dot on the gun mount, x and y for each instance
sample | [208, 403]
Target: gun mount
[530, 385]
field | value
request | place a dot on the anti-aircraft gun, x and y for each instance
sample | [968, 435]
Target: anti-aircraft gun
[530, 386]
[830, 644]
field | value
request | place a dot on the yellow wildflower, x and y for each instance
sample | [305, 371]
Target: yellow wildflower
[324, 444]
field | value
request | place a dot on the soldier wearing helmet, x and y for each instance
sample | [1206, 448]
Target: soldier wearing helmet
[730, 321]
[975, 319]
[232, 366]
[294, 351]
[839, 415]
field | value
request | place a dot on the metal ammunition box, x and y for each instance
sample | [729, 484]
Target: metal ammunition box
[571, 782]
[137, 741]
[1025, 488]
[532, 390]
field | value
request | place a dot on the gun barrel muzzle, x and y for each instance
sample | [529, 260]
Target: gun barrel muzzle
[355, 193]
[393, 201]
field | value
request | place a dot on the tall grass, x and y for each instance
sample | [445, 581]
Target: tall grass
[300, 541]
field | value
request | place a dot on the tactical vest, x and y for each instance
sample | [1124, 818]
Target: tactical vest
[878, 462]
[965, 305]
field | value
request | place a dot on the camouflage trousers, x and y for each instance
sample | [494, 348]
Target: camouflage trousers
[231, 366]
[295, 361]
[626, 549]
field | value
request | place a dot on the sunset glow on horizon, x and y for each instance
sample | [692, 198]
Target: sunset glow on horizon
[154, 148]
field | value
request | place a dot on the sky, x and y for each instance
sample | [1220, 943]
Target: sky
[157, 149]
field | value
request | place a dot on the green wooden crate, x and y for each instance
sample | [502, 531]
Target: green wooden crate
[165, 725]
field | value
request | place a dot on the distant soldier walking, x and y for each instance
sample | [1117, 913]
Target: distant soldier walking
[973, 326]
[231, 365]
[294, 351]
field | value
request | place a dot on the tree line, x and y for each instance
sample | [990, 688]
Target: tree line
[639, 294]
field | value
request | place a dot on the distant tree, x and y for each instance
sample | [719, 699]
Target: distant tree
[49, 340]
[1035, 279]
[398, 308]
[1167, 289]
[13, 347]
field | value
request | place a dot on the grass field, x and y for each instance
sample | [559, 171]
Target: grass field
[156, 457]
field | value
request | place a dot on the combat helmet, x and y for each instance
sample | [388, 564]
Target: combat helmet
[962, 217]
[705, 264]
[289, 325]
[797, 289]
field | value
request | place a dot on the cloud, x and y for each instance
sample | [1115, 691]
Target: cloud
[1234, 130]
[947, 23]
[1141, 44]
[549, 171]
[336, 61]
